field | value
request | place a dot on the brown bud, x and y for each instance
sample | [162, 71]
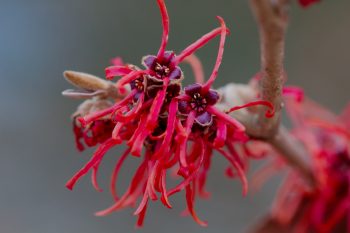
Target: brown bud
[89, 86]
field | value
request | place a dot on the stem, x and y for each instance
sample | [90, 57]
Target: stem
[271, 17]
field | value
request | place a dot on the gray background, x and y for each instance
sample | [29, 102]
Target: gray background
[40, 39]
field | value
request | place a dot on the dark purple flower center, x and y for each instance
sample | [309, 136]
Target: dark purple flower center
[163, 67]
[198, 102]
[138, 84]
[161, 70]
[172, 92]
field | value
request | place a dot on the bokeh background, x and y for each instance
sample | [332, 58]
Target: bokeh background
[39, 39]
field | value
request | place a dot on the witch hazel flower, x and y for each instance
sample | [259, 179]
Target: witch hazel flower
[327, 139]
[165, 154]
[150, 86]
[167, 127]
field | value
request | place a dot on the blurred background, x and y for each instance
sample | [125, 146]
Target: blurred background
[39, 39]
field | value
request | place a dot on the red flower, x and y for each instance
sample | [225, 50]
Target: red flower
[198, 101]
[175, 129]
[327, 139]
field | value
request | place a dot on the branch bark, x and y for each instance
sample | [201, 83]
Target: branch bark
[272, 20]
[271, 17]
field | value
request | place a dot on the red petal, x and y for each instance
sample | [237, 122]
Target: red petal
[214, 74]
[226, 118]
[156, 106]
[114, 71]
[165, 23]
[196, 45]
[115, 174]
[130, 195]
[130, 77]
[239, 169]
[94, 177]
[190, 206]
[98, 155]
[165, 146]
[142, 215]
[164, 197]
[96, 115]
[221, 133]
[269, 113]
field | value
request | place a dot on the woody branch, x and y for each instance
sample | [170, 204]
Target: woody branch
[272, 20]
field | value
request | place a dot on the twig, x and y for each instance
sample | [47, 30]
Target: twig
[272, 20]
[271, 16]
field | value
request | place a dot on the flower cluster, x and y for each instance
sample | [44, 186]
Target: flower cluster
[327, 139]
[167, 126]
